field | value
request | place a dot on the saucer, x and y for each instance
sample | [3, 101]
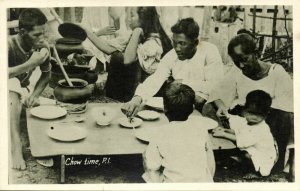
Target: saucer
[124, 121]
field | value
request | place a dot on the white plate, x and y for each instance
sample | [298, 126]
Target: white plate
[66, 133]
[48, 112]
[156, 102]
[148, 115]
[124, 121]
[102, 123]
[146, 133]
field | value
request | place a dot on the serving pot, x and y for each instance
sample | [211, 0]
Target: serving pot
[77, 71]
[73, 36]
[79, 93]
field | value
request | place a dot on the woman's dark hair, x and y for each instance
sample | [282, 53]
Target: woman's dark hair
[150, 23]
[246, 41]
[187, 26]
[258, 102]
[245, 31]
[31, 17]
[178, 101]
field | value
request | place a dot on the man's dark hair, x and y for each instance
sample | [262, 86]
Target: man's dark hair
[178, 101]
[187, 26]
[258, 102]
[246, 41]
[31, 17]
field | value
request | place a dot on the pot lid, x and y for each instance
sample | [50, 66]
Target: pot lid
[71, 30]
[69, 41]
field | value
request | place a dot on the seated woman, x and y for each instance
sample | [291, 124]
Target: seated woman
[148, 43]
[251, 74]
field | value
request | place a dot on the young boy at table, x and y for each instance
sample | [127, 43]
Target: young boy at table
[181, 152]
[252, 135]
[23, 58]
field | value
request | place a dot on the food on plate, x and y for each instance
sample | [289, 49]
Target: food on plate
[130, 122]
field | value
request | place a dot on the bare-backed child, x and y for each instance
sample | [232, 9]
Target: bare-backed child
[181, 152]
[251, 134]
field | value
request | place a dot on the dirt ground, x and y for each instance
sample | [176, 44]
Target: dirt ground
[122, 168]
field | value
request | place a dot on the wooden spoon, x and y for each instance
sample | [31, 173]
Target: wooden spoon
[62, 67]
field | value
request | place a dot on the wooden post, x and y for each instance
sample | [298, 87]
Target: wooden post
[254, 20]
[72, 14]
[62, 169]
[274, 32]
[192, 11]
[180, 12]
[266, 22]
[62, 13]
[8, 19]
[205, 29]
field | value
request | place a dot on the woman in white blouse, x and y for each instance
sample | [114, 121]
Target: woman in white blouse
[146, 45]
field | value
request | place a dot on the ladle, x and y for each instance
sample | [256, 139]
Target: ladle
[62, 67]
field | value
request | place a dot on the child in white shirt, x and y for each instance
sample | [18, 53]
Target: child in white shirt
[182, 151]
[251, 133]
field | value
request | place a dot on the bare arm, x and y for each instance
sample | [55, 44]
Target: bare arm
[20, 69]
[131, 49]
[100, 44]
[224, 134]
[41, 84]
[35, 60]
[222, 110]
[229, 136]
[38, 89]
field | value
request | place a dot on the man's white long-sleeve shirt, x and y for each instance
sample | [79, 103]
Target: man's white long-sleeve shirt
[201, 72]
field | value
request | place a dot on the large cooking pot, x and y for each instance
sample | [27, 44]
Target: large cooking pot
[73, 36]
[79, 93]
[77, 71]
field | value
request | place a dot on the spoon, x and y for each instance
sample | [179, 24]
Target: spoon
[62, 67]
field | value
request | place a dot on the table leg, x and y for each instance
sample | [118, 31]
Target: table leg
[62, 169]
[291, 162]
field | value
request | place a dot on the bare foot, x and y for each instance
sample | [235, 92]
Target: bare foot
[18, 161]
[251, 175]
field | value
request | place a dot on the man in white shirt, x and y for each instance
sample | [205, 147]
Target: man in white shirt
[196, 64]
[251, 73]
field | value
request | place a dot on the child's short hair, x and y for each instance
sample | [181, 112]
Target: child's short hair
[178, 101]
[31, 17]
[258, 102]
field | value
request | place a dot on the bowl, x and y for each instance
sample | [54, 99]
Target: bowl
[103, 115]
[79, 93]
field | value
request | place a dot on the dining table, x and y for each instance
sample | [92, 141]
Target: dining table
[111, 139]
